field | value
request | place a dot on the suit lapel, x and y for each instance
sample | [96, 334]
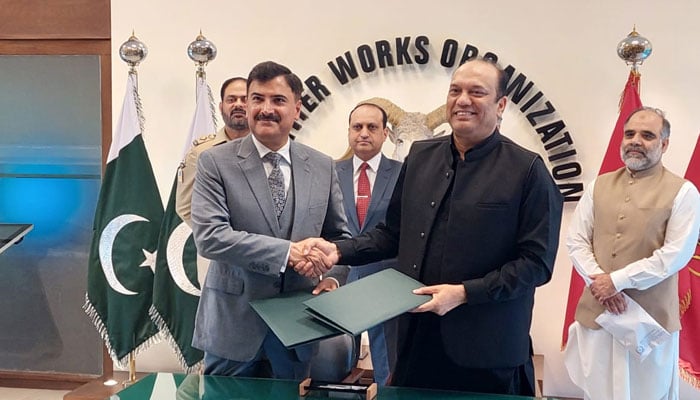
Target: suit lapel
[381, 181]
[301, 179]
[254, 172]
[345, 176]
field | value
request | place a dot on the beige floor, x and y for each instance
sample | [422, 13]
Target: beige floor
[31, 394]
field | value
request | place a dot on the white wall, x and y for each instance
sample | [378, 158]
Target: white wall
[568, 49]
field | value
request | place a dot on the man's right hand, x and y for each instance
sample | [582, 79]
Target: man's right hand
[313, 257]
[329, 249]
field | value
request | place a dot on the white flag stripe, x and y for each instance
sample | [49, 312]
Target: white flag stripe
[164, 387]
[128, 125]
[203, 122]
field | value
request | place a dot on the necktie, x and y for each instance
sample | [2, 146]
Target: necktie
[363, 194]
[276, 182]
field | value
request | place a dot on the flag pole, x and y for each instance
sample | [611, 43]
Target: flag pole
[132, 369]
[175, 296]
[133, 51]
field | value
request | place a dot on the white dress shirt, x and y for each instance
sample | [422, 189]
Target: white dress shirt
[285, 162]
[285, 166]
[679, 244]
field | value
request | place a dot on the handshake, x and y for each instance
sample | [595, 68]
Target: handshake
[313, 257]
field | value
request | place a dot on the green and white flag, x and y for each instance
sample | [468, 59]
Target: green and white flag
[125, 237]
[176, 288]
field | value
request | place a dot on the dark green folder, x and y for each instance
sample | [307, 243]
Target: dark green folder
[367, 302]
[286, 317]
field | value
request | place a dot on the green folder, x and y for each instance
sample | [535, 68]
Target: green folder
[286, 318]
[367, 302]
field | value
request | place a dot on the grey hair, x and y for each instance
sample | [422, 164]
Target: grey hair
[665, 125]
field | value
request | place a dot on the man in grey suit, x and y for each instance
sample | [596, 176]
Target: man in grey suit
[367, 132]
[253, 198]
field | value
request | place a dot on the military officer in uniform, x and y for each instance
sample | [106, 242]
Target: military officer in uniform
[233, 112]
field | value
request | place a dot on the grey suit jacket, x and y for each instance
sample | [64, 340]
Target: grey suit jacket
[234, 225]
[387, 174]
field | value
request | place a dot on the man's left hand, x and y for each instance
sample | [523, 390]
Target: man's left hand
[445, 298]
[326, 285]
[602, 287]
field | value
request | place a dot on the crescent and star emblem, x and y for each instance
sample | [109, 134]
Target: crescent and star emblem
[174, 252]
[105, 249]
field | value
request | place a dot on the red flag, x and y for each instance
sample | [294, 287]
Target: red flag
[689, 284]
[630, 101]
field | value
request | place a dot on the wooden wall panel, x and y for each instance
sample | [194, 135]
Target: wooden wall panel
[55, 19]
[61, 27]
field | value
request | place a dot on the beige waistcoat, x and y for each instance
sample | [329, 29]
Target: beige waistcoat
[630, 212]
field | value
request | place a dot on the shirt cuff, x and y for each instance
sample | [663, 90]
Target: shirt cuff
[289, 251]
[620, 280]
[336, 281]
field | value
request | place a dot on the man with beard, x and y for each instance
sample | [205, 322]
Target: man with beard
[233, 112]
[631, 233]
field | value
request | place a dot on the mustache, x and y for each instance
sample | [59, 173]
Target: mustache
[267, 117]
[639, 149]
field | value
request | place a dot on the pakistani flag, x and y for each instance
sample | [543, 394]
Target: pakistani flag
[123, 251]
[176, 287]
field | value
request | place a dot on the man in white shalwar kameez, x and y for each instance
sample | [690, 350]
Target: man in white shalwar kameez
[631, 233]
